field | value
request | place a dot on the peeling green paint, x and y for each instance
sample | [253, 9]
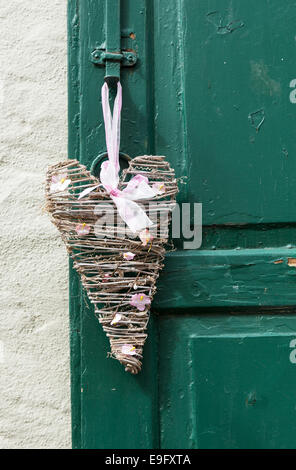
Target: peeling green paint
[211, 92]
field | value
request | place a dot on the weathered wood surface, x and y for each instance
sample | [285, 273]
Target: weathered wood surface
[226, 278]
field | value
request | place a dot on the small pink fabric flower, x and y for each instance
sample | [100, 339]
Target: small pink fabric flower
[140, 301]
[128, 349]
[82, 229]
[116, 319]
[145, 237]
[159, 188]
[59, 182]
[106, 277]
[128, 256]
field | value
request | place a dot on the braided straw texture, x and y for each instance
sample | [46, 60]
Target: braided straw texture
[110, 280]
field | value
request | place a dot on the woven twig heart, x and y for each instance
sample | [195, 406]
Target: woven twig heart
[99, 252]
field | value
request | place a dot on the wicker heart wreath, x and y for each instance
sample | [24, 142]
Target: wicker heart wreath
[116, 248]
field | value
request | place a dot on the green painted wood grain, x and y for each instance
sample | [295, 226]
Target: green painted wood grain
[203, 69]
[74, 282]
[110, 408]
[223, 278]
[213, 81]
[227, 382]
[118, 410]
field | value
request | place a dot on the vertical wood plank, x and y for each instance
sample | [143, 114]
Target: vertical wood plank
[111, 409]
[74, 152]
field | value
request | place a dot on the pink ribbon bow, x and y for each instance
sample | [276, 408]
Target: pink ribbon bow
[137, 188]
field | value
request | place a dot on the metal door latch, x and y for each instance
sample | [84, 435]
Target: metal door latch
[126, 58]
[112, 57]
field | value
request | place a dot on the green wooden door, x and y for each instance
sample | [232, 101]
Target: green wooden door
[214, 91]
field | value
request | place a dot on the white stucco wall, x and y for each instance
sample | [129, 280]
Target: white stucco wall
[34, 326]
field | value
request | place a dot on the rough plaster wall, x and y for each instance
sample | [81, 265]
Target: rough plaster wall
[34, 347]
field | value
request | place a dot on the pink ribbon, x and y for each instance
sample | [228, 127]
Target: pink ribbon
[137, 188]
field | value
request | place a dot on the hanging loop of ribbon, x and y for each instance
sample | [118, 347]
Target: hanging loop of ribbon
[137, 188]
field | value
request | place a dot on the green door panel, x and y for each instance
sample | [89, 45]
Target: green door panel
[227, 382]
[212, 90]
[228, 68]
[118, 410]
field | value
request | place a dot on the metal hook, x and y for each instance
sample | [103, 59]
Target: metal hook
[99, 160]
